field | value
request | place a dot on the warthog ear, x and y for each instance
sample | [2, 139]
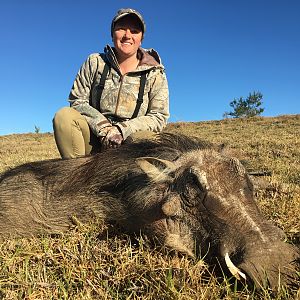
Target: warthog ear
[156, 169]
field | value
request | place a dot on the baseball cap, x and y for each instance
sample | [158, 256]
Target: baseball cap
[125, 12]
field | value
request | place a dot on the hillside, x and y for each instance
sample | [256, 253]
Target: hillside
[80, 266]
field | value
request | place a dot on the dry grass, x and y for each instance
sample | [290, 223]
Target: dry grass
[17, 149]
[93, 261]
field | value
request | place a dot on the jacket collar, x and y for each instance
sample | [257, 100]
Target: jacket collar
[149, 58]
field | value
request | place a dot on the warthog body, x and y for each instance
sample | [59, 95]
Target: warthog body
[191, 198]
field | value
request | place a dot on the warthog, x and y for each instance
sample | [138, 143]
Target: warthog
[190, 197]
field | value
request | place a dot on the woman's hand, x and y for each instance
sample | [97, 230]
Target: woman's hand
[113, 138]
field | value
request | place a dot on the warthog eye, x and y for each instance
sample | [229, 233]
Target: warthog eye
[193, 190]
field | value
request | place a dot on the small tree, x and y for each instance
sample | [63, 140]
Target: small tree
[249, 107]
[36, 129]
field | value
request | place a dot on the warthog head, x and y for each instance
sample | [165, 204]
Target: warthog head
[210, 211]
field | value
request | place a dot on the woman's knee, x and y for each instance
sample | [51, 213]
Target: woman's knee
[71, 132]
[65, 116]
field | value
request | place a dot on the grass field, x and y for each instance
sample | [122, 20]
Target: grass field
[94, 261]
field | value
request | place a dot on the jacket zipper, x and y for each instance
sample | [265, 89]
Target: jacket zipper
[119, 93]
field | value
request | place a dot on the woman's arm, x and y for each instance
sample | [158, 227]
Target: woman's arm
[80, 94]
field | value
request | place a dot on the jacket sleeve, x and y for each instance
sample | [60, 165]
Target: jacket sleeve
[158, 109]
[81, 92]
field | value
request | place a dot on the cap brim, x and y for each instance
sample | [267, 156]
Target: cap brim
[128, 14]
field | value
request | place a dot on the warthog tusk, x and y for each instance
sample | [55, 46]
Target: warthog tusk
[235, 271]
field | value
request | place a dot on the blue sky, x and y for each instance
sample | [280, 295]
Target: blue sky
[213, 51]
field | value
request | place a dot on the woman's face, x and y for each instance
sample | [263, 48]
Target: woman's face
[127, 37]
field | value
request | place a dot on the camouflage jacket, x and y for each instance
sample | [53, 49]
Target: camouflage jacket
[119, 97]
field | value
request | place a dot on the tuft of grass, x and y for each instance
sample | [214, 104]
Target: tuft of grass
[94, 261]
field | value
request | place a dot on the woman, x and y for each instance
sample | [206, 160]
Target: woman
[117, 95]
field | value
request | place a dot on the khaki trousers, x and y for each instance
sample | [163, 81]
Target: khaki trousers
[74, 138]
